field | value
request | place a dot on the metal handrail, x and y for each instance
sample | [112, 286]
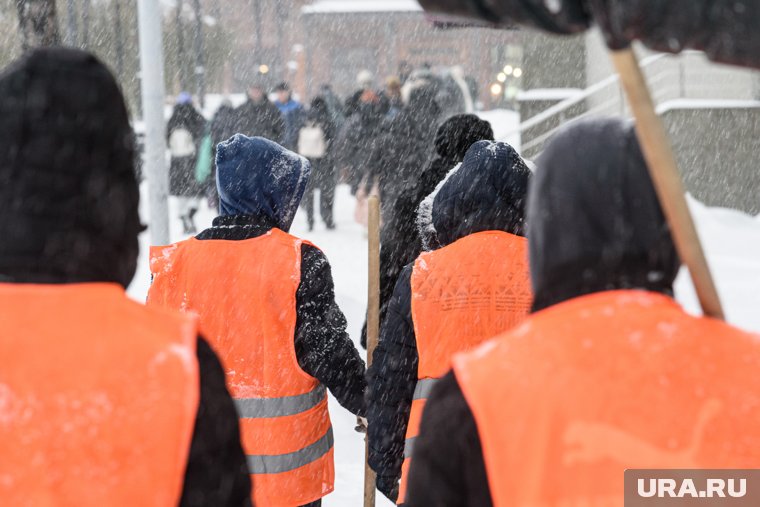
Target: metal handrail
[585, 94]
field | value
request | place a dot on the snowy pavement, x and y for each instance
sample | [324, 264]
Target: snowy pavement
[732, 243]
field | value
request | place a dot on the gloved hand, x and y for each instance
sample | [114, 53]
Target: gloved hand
[388, 486]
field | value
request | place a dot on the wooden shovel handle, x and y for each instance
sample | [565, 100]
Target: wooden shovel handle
[373, 323]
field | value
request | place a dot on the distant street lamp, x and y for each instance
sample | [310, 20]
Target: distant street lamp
[264, 69]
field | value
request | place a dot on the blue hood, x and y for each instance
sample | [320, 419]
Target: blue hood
[258, 177]
[486, 193]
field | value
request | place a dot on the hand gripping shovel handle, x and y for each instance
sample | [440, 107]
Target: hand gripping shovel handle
[655, 145]
[373, 324]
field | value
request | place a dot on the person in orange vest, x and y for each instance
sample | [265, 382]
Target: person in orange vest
[102, 400]
[609, 373]
[266, 301]
[474, 285]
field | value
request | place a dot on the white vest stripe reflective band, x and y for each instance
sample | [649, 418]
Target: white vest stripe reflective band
[424, 387]
[275, 464]
[409, 447]
[264, 408]
[421, 392]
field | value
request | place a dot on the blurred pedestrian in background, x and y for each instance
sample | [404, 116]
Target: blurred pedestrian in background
[292, 114]
[314, 142]
[185, 131]
[257, 116]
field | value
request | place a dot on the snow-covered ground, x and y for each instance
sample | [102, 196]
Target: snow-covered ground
[732, 242]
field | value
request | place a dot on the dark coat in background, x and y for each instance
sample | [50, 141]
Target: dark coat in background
[360, 134]
[406, 145]
[604, 231]
[399, 237]
[261, 119]
[182, 181]
[69, 214]
[488, 192]
[255, 198]
[222, 127]
[293, 115]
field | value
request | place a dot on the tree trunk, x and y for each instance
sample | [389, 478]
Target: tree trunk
[38, 23]
[200, 57]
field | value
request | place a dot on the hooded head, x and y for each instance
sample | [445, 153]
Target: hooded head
[68, 192]
[487, 192]
[458, 133]
[595, 222]
[259, 177]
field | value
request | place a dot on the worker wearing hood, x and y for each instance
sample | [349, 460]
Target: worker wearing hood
[266, 301]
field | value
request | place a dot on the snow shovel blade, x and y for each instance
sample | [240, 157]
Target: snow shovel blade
[562, 17]
[726, 30]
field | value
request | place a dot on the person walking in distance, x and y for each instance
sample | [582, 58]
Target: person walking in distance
[257, 116]
[315, 143]
[185, 131]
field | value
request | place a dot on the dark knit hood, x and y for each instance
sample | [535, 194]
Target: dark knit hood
[594, 220]
[260, 178]
[458, 133]
[68, 192]
[487, 192]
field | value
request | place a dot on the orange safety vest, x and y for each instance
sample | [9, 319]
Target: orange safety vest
[98, 398]
[462, 295]
[584, 390]
[245, 295]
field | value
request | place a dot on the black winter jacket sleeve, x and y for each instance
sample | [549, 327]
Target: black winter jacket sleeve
[216, 472]
[392, 378]
[448, 468]
[323, 347]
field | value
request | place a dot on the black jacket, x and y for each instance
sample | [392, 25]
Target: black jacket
[404, 148]
[261, 119]
[224, 125]
[606, 230]
[361, 132]
[323, 347]
[486, 193]
[182, 181]
[400, 238]
[69, 214]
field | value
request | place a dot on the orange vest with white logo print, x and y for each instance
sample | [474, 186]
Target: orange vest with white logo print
[586, 389]
[98, 398]
[462, 295]
[245, 295]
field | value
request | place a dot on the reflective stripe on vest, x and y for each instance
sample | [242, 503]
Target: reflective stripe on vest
[275, 464]
[261, 408]
[98, 397]
[607, 382]
[421, 392]
[245, 295]
[424, 387]
[462, 295]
